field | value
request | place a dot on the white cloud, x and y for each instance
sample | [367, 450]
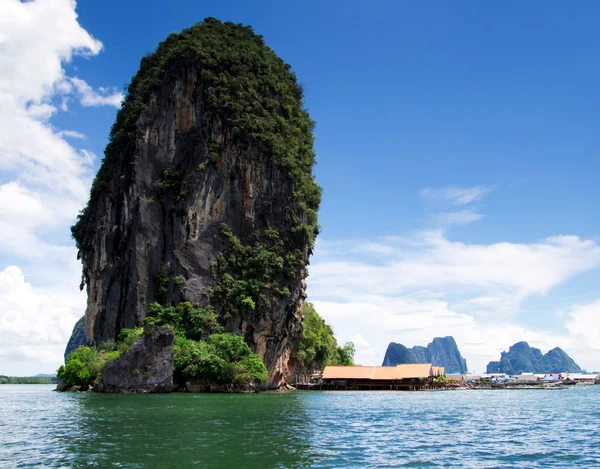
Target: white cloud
[89, 97]
[430, 286]
[45, 179]
[430, 260]
[455, 194]
[71, 133]
[464, 217]
[35, 323]
[583, 324]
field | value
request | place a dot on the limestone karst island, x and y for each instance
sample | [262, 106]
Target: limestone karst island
[200, 225]
[299, 235]
[198, 232]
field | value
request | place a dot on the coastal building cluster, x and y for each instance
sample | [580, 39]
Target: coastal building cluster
[498, 380]
[425, 376]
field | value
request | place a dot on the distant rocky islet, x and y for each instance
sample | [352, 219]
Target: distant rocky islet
[522, 358]
[442, 351]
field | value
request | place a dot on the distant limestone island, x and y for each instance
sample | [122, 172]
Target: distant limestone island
[521, 358]
[442, 351]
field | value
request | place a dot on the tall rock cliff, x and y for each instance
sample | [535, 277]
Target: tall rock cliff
[521, 358]
[440, 352]
[77, 338]
[205, 194]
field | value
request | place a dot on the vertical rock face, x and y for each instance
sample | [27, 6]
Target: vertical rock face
[146, 367]
[440, 352]
[521, 358]
[78, 337]
[212, 134]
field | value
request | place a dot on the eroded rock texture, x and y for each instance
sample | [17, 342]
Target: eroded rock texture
[147, 366]
[212, 132]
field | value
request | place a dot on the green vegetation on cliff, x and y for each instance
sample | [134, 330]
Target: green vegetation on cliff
[248, 275]
[245, 85]
[202, 352]
[318, 346]
[221, 359]
[84, 366]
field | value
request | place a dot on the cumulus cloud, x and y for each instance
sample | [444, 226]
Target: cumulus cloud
[35, 323]
[455, 194]
[430, 260]
[39, 36]
[583, 324]
[45, 179]
[427, 286]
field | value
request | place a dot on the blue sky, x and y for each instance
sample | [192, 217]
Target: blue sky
[456, 144]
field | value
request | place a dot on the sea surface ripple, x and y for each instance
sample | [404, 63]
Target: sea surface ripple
[468, 429]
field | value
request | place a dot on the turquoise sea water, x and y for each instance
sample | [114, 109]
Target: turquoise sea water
[478, 429]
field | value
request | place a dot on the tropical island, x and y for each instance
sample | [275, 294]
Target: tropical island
[199, 227]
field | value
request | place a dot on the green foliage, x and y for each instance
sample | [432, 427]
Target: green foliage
[188, 321]
[180, 280]
[84, 366]
[248, 303]
[74, 373]
[221, 359]
[346, 354]
[127, 337]
[162, 281]
[318, 346]
[445, 380]
[250, 370]
[107, 345]
[202, 352]
[250, 275]
[248, 88]
[214, 152]
[169, 181]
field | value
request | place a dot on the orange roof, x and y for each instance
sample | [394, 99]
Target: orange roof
[406, 371]
[418, 370]
[348, 372]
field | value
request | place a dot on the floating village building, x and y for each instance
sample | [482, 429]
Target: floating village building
[399, 377]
